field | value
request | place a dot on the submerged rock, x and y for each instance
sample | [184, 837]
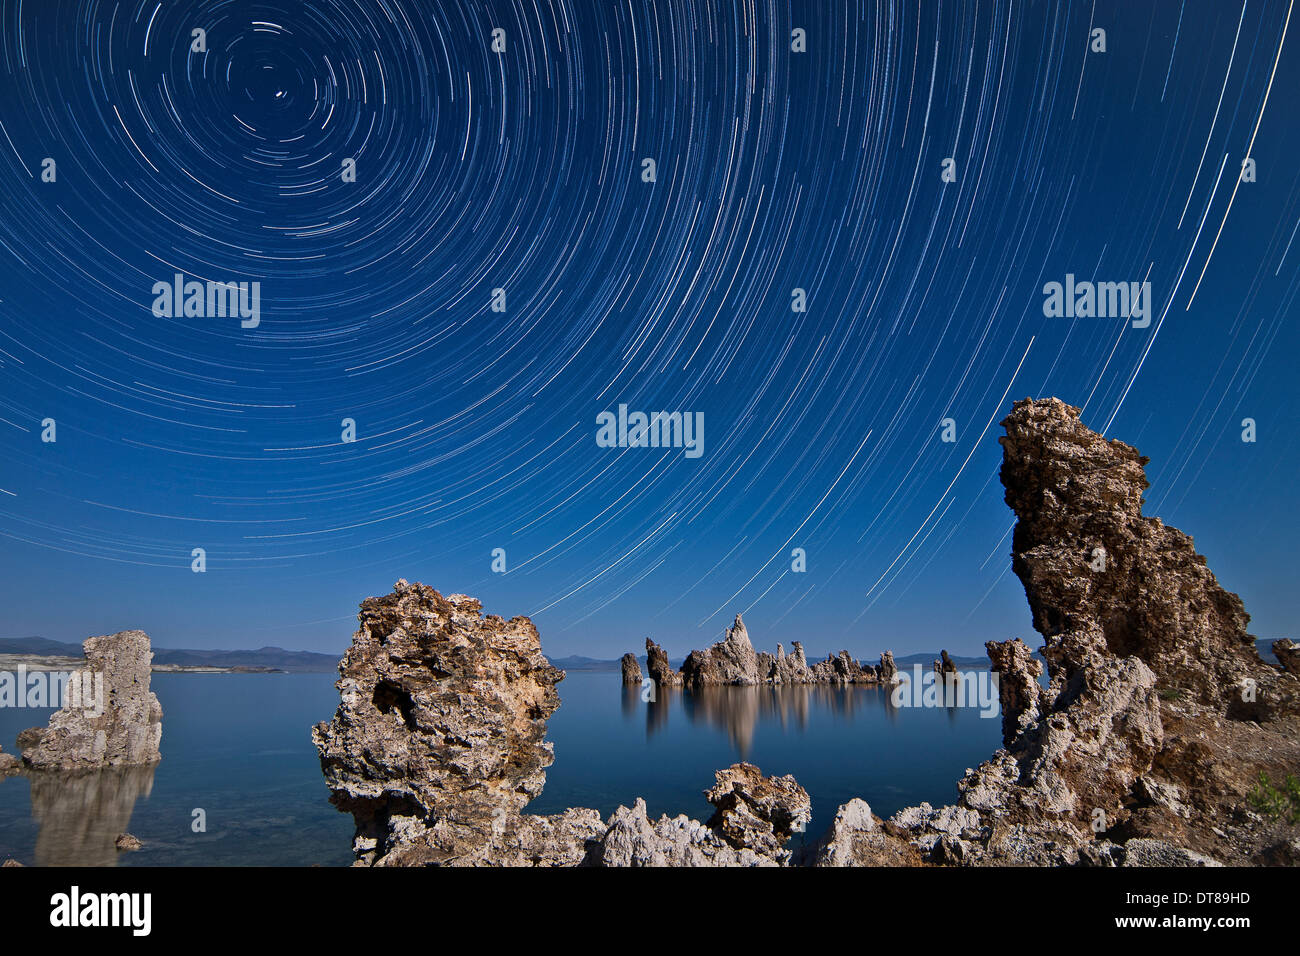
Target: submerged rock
[110, 718]
[82, 814]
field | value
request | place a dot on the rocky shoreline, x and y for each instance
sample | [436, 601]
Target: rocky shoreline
[47, 662]
[1157, 727]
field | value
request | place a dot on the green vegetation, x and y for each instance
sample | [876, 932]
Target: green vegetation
[1275, 803]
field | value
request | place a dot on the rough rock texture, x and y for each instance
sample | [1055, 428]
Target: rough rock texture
[631, 669]
[128, 728]
[657, 666]
[946, 664]
[633, 839]
[857, 838]
[842, 669]
[1145, 852]
[127, 843]
[1136, 753]
[754, 816]
[792, 668]
[755, 812]
[1103, 579]
[1083, 757]
[733, 660]
[1288, 655]
[1019, 692]
[730, 661]
[9, 764]
[888, 670]
[437, 744]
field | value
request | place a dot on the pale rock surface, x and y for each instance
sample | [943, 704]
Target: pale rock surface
[730, 661]
[438, 742]
[127, 732]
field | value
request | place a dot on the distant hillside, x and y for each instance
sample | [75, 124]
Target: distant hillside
[277, 658]
[579, 663]
[927, 660]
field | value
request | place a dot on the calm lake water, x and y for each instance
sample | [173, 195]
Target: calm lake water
[238, 747]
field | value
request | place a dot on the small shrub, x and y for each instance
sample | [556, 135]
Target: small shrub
[1275, 803]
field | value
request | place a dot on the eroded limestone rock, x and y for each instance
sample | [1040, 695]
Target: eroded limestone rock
[438, 742]
[888, 670]
[1288, 655]
[1019, 691]
[657, 666]
[756, 812]
[1102, 579]
[1090, 772]
[754, 817]
[730, 661]
[631, 669]
[110, 717]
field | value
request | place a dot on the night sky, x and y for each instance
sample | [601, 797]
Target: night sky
[523, 170]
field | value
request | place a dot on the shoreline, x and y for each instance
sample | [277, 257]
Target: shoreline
[48, 662]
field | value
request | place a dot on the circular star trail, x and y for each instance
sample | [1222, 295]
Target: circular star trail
[499, 271]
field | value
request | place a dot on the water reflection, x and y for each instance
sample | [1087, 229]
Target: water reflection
[81, 815]
[739, 710]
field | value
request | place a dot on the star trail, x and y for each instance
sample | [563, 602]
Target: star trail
[825, 228]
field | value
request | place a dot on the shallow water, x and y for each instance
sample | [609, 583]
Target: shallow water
[238, 747]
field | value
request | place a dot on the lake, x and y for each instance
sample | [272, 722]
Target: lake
[238, 748]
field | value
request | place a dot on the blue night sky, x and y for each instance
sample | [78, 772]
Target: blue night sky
[522, 170]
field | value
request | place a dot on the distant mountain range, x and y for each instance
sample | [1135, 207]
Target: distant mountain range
[275, 658]
[312, 662]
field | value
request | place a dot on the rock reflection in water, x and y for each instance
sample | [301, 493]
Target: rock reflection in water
[82, 814]
[739, 710]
